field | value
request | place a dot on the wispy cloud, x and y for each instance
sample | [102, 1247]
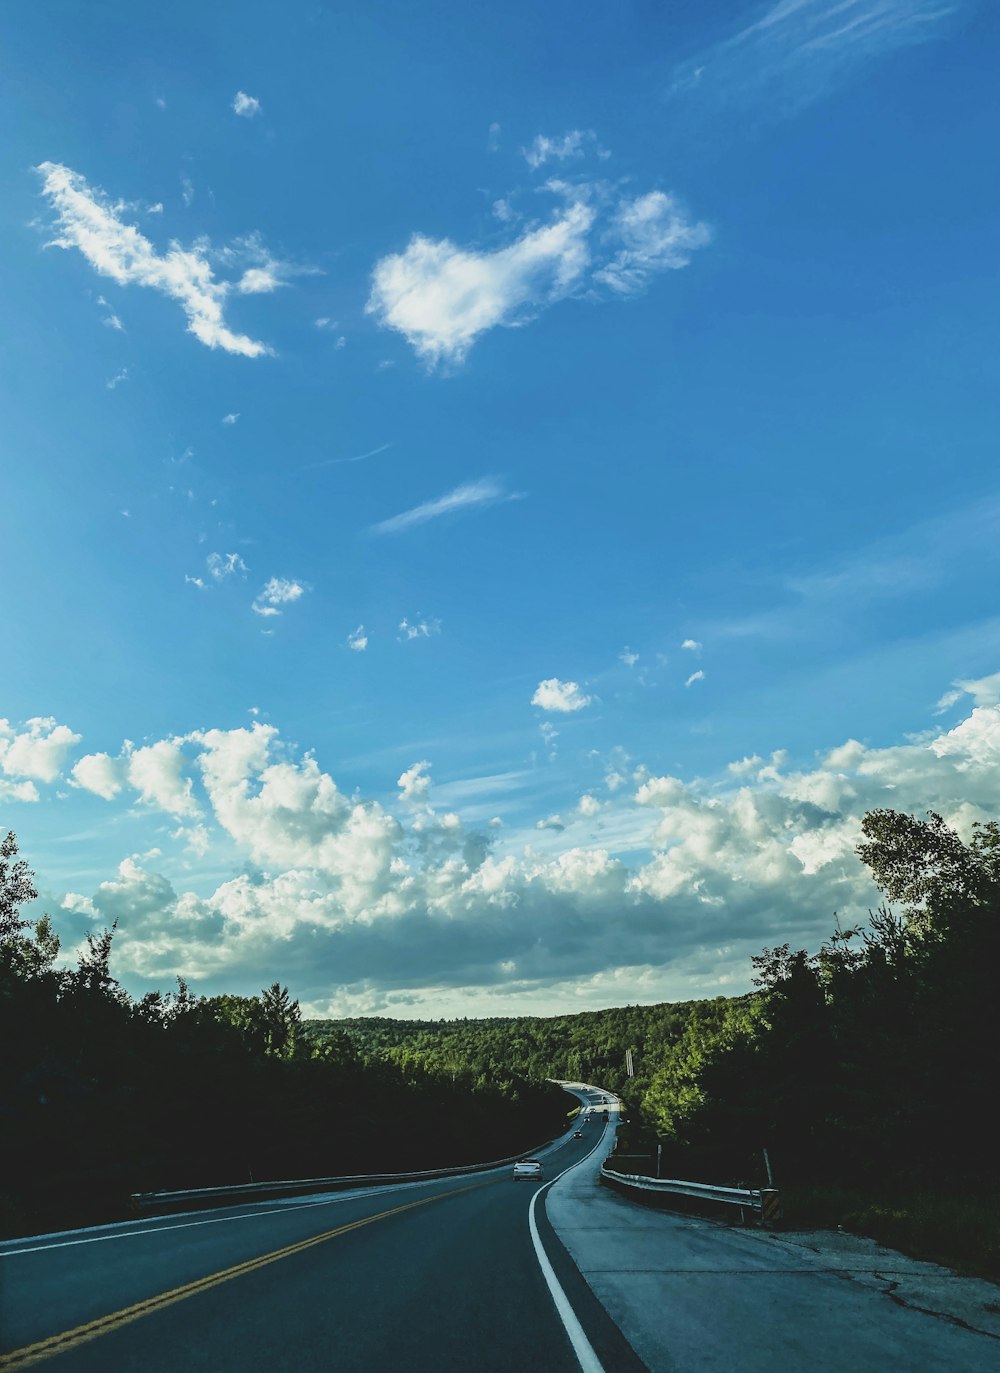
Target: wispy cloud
[358, 639]
[418, 628]
[356, 457]
[655, 236]
[110, 319]
[794, 51]
[698, 676]
[692, 645]
[114, 382]
[247, 106]
[231, 418]
[470, 496]
[543, 149]
[223, 565]
[93, 224]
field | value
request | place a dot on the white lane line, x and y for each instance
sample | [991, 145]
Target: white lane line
[220, 1220]
[582, 1348]
[354, 1194]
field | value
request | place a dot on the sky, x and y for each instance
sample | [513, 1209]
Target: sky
[492, 495]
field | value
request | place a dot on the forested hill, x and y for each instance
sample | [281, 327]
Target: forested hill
[589, 1046]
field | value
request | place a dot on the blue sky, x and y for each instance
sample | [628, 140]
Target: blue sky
[492, 494]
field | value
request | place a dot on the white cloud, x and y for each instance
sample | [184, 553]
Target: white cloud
[655, 236]
[563, 697]
[110, 319]
[441, 297]
[692, 645]
[157, 773]
[418, 628]
[628, 657]
[187, 191]
[38, 750]
[415, 783]
[358, 639]
[588, 805]
[471, 495]
[114, 382]
[90, 222]
[795, 51]
[245, 105]
[985, 691]
[337, 891]
[101, 774]
[494, 136]
[698, 676]
[231, 418]
[199, 582]
[223, 565]
[543, 149]
[276, 592]
[18, 791]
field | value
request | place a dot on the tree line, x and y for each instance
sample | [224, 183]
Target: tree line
[103, 1095]
[871, 1062]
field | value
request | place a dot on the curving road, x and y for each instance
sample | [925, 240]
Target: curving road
[442, 1275]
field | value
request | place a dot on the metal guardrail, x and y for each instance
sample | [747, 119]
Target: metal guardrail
[764, 1203]
[158, 1201]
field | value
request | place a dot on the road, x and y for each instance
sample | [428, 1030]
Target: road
[440, 1275]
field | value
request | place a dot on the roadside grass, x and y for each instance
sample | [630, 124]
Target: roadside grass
[961, 1231]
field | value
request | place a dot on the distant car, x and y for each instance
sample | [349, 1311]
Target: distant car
[578, 1134]
[528, 1168]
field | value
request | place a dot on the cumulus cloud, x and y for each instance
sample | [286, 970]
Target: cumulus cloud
[415, 782]
[469, 496]
[655, 236]
[247, 106]
[562, 697]
[231, 418]
[441, 297]
[90, 222]
[588, 805]
[692, 645]
[277, 592]
[358, 639]
[38, 750]
[157, 771]
[337, 891]
[101, 774]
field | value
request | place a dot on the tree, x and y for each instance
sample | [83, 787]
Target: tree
[22, 956]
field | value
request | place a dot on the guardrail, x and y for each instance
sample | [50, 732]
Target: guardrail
[148, 1202]
[764, 1203]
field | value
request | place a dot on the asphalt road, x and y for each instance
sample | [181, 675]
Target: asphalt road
[439, 1275]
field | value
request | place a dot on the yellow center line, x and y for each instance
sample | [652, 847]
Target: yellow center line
[82, 1334]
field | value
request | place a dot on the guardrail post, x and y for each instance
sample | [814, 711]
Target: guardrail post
[770, 1207]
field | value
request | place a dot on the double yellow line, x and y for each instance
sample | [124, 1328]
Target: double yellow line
[83, 1334]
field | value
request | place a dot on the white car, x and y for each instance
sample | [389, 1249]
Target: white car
[528, 1168]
